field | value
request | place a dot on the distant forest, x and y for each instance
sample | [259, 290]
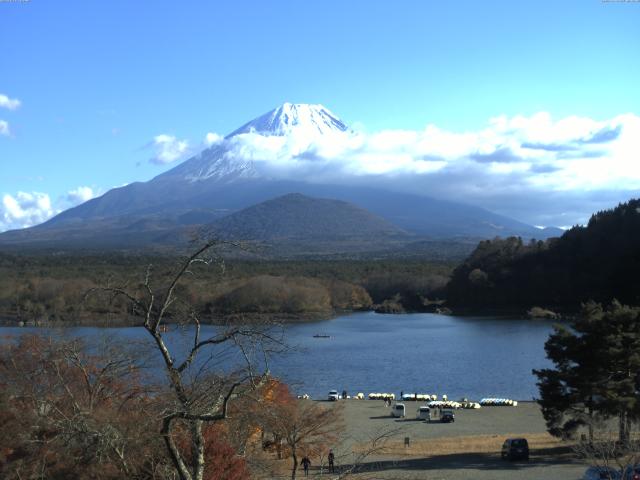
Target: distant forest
[599, 262]
[51, 288]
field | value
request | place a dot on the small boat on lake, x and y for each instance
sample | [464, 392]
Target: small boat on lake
[318, 335]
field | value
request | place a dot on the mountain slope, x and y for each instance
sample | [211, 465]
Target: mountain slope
[298, 217]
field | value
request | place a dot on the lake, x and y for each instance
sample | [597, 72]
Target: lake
[473, 357]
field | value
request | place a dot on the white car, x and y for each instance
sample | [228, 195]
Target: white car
[424, 413]
[333, 396]
[398, 410]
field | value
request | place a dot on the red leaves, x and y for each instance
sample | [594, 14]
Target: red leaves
[222, 461]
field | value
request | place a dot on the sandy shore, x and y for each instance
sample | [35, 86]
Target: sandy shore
[469, 448]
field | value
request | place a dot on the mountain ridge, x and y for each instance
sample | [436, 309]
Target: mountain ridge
[217, 182]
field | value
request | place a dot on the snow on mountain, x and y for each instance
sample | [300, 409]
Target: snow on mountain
[214, 163]
[290, 117]
[222, 163]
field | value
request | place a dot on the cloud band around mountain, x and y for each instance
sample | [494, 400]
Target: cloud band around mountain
[532, 168]
[520, 157]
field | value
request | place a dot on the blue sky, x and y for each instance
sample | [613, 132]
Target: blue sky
[96, 82]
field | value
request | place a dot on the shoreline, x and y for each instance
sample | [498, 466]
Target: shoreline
[103, 321]
[218, 320]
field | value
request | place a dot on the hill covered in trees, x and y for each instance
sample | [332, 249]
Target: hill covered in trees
[37, 289]
[599, 262]
[296, 216]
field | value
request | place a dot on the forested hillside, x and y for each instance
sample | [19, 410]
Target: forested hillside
[597, 262]
[51, 288]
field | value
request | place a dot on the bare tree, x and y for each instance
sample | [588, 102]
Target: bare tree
[199, 380]
[304, 426]
[372, 446]
[71, 410]
[607, 452]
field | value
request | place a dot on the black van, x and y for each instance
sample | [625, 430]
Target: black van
[515, 448]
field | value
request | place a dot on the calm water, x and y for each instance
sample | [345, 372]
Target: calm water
[424, 353]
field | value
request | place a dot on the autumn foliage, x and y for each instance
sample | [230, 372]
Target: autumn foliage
[69, 411]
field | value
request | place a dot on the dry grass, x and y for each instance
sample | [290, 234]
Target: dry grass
[465, 444]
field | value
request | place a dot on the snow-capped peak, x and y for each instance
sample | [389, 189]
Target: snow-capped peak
[229, 161]
[290, 117]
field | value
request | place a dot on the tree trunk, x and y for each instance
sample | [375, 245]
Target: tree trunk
[198, 450]
[178, 462]
[623, 431]
[295, 463]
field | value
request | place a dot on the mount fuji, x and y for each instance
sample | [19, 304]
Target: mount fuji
[223, 179]
[217, 163]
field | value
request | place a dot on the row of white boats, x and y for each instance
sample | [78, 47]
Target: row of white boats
[432, 400]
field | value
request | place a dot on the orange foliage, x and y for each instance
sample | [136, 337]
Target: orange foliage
[274, 391]
[222, 461]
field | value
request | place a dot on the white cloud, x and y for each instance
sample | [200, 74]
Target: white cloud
[4, 128]
[168, 149]
[10, 103]
[80, 195]
[26, 209]
[520, 160]
[535, 152]
[564, 154]
[212, 139]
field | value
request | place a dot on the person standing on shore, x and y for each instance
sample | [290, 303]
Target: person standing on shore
[331, 459]
[305, 465]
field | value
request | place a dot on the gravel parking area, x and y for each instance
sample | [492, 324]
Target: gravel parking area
[469, 448]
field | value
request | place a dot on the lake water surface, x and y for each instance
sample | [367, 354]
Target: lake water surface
[426, 353]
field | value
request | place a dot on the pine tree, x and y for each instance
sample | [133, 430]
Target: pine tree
[596, 374]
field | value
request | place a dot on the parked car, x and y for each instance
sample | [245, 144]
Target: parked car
[398, 410]
[601, 473]
[515, 448]
[631, 472]
[333, 396]
[447, 416]
[424, 413]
